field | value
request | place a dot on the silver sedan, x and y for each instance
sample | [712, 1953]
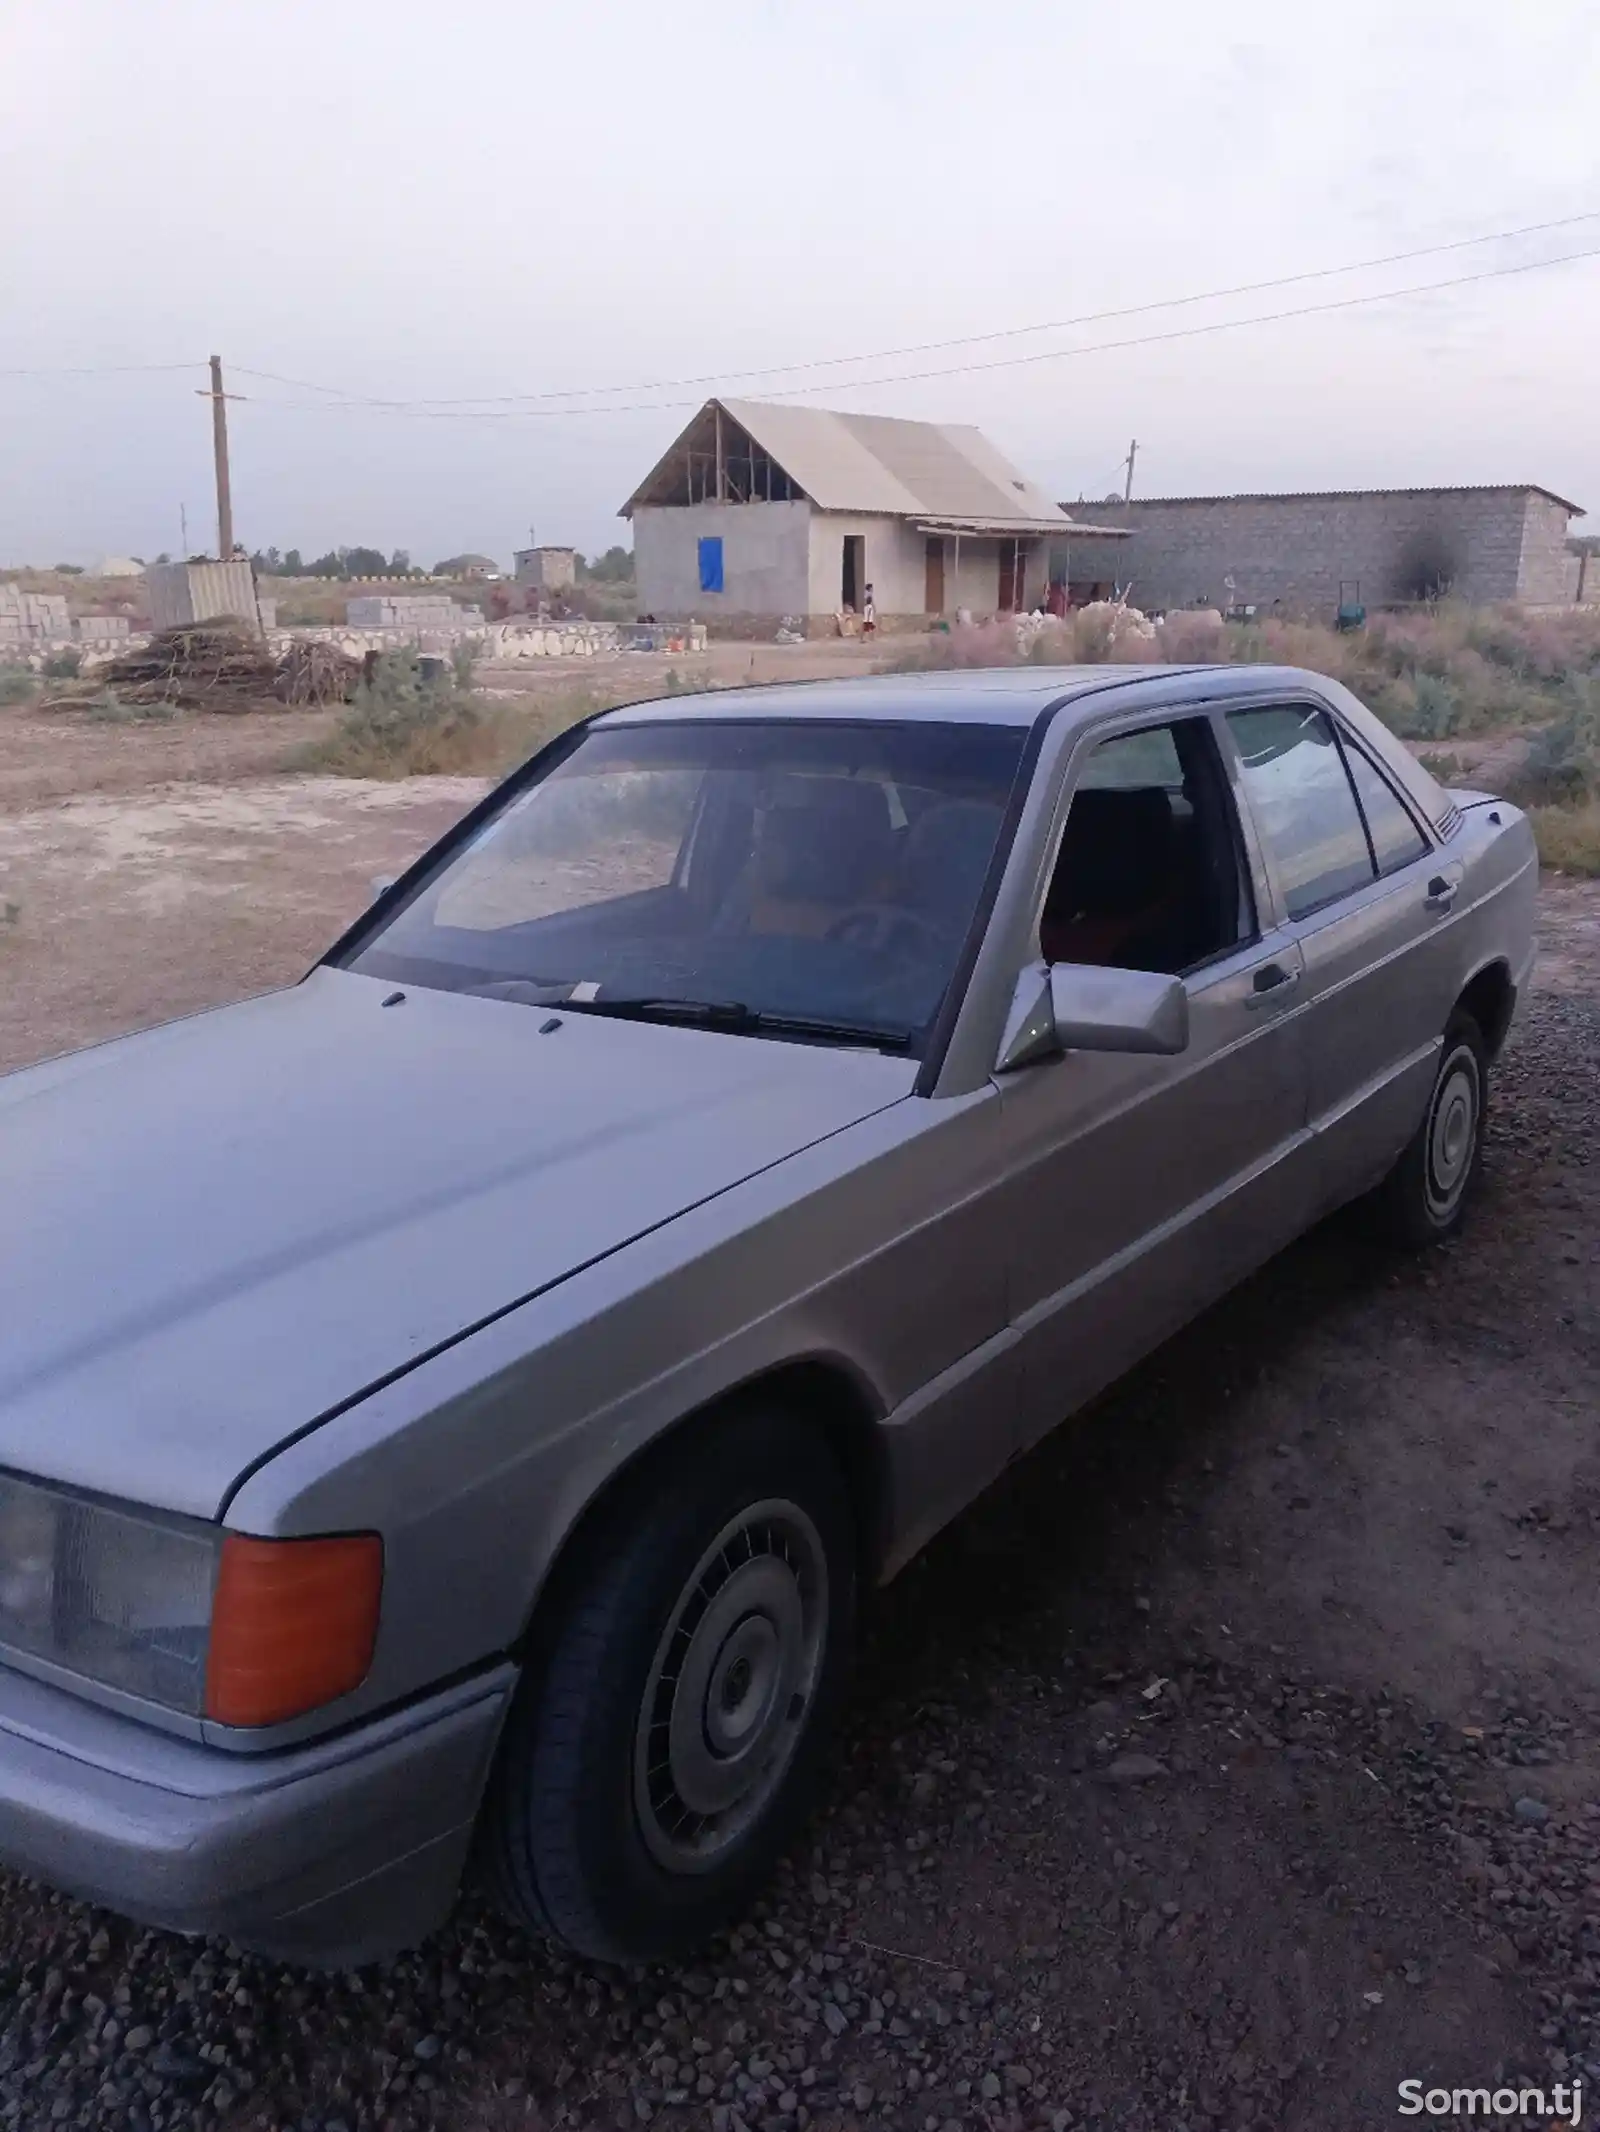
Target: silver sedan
[449, 1408]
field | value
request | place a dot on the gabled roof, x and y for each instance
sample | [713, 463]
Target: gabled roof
[882, 464]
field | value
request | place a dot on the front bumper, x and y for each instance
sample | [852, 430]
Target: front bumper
[331, 1854]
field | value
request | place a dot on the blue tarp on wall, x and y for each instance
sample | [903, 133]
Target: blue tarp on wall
[711, 564]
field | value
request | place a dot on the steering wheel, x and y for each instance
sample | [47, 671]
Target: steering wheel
[887, 928]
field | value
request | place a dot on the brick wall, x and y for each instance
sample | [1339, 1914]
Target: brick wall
[1294, 551]
[1549, 572]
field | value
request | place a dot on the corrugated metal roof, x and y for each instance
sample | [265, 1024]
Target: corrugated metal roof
[882, 464]
[1041, 528]
[1460, 488]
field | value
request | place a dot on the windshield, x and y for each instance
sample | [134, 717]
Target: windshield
[747, 875]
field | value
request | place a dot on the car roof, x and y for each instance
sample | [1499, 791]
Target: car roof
[1001, 695]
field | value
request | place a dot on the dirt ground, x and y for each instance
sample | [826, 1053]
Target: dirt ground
[1236, 1759]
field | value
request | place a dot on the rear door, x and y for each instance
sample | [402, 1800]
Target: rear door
[1144, 1187]
[1368, 899]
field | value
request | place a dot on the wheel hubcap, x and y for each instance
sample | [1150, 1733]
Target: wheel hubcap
[1452, 1133]
[730, 1685]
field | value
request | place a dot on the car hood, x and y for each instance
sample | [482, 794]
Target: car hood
[220, 1230]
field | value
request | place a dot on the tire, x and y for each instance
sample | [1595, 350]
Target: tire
[1426, 1194]
[664, 1748]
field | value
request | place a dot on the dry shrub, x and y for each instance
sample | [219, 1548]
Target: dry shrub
[404, 725]
[1569, 837]
[1538, 646]
[1196, 640]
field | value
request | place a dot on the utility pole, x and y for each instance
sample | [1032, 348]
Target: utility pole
[1127, 488]
[183, 533]
[219, 444]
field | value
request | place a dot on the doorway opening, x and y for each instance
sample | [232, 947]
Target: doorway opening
[854, 575]
[1013, 568]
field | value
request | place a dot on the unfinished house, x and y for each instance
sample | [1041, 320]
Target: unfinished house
[765, 510]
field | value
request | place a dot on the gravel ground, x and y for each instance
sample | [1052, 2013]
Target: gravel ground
[1236, 1759]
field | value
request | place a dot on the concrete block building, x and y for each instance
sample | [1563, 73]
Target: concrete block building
[546, 569]
[764, 510]
[1295, 552]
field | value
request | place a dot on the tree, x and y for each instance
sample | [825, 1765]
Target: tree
[400, 563]
[363, 562]
[615, 567]
[292, 565]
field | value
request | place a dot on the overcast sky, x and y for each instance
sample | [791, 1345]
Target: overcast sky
[411, 202]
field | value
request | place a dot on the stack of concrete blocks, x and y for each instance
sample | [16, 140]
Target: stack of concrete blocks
[32, 617]
[417, 610]
[102, 628]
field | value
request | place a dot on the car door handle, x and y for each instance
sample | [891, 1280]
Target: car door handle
[1441, 892]
[1269, 980]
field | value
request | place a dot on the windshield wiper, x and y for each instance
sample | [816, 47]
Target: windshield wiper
[734, 1017]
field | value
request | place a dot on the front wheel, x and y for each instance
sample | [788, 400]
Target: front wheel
[663, 1752]
[1426, 1193]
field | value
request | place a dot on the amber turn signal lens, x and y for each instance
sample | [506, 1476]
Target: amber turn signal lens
[293, 1624]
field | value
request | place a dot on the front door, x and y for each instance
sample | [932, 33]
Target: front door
[933, 580]
[1147, 1186]
[1010, 589]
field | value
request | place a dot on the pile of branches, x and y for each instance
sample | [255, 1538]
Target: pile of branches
[314, 674]
[199, 666]
[225, 666]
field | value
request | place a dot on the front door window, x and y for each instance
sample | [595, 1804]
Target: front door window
[1148, 876]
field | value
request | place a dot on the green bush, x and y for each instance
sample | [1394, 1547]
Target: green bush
[17, 685]
[63, 666]
[1436, 709]
[1563, 761]
[408, 719]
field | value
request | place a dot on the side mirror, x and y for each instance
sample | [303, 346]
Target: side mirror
[1070, 1006]
[382, 881]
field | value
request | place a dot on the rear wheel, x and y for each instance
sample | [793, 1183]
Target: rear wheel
[1426, 1193]
[663, 1752]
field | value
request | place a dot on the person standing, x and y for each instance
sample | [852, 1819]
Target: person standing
[869, 615]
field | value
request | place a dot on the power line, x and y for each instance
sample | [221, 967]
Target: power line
[98, 370]
[885, 355]
[423, 410]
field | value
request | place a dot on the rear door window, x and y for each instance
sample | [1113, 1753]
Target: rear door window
[1396, 839]
[1301, 796]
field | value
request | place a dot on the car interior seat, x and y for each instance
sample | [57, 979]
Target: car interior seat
[1116, 899]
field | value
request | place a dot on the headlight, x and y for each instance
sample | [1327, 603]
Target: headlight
[120, 1596]
[213, 1624]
